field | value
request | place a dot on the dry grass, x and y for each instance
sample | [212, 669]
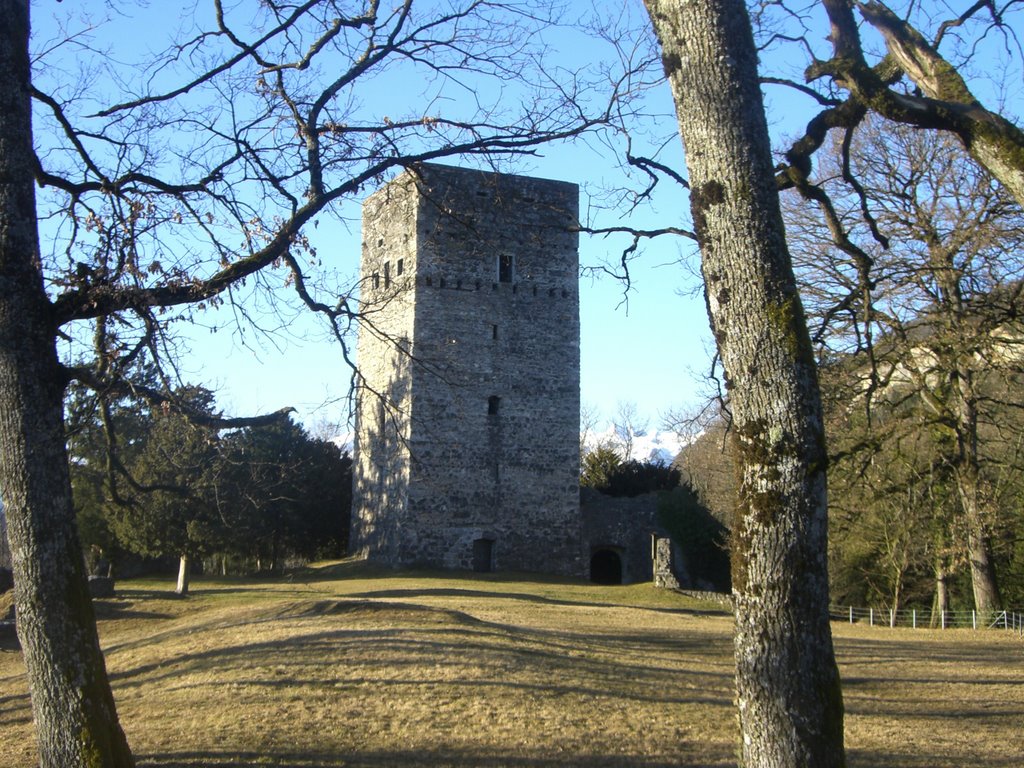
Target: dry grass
[342, 666]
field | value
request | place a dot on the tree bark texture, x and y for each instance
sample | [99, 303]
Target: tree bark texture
[71, 698]
[969, 488]
[788, 689]
[940, 604]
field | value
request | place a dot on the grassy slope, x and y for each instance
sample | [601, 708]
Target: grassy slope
[346, 666]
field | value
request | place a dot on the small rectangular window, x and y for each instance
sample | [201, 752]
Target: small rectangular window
[493, 403]
[494, 331]
[400, 267]
[387, 274]
[506, 268]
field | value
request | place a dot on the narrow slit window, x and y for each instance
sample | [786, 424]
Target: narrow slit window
[400, 267]
[387, 274]
[494, 332]
[506, 268]
[493, 404]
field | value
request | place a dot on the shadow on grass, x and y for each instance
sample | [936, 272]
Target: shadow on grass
[861, 758]
[135, 593]
[698, 756]
[197, 594]
[311, 660]
[112, 609]
[9, 637]
[538, 599]
[439, 758]
[361, 570]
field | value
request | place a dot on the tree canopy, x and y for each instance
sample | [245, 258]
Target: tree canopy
[605, 471]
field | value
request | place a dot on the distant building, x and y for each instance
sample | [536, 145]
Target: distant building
[467, 411]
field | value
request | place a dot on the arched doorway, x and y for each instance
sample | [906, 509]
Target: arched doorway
[606, 567]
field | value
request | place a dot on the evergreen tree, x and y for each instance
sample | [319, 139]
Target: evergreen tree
[172, 509]
[283, 494]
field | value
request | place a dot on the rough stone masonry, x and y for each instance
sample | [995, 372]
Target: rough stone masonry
[467, 426]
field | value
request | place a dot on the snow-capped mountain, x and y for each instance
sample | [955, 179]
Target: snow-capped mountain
[658, 446]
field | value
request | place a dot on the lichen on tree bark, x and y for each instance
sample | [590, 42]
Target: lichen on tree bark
[71, 699]
[788, 690]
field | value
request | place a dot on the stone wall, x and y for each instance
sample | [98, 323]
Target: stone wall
[629, 528]
[468, 417]
[387, 296]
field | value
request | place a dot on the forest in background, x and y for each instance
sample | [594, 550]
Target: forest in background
[175, 491]
[916, 321]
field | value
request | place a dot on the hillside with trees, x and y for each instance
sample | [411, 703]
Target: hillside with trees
[921, 372]
[923, 363]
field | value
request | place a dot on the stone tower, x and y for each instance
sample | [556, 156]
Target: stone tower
[467, 426]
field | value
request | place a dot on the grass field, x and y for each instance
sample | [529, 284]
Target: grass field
[345, 666]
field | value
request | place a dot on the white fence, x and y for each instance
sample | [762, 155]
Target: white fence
[926, 619]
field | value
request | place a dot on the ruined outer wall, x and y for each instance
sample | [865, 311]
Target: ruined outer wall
[624, 525]
[493, 425]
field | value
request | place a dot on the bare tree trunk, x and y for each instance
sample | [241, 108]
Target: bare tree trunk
[940, 604]
[979, 546]
[184, 574]
[968, 485]
[72, 703]
[788, 689]
[897, 592]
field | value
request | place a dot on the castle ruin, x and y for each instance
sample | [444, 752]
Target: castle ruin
[467, 423]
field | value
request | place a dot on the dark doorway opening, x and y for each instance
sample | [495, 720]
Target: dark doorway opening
[483, 555]
[606, 567]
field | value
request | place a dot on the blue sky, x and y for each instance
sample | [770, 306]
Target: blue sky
[649, 347]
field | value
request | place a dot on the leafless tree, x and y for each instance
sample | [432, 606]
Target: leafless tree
[628, 426]
[752, 298]
[938, 319]
[193, 178]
